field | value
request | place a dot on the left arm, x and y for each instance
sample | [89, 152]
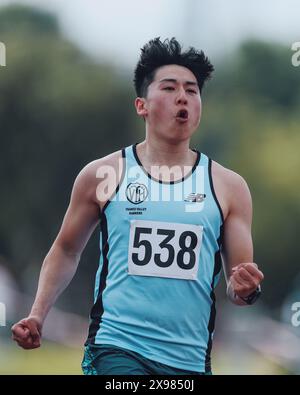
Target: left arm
[241, 273]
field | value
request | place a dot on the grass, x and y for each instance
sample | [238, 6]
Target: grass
[55, 359]
[51, 359]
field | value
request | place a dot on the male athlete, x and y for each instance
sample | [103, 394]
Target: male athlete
[167, 213]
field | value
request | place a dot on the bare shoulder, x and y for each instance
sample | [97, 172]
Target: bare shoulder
[92, 176]
[231, 189]
[229, 177]
[97, 166]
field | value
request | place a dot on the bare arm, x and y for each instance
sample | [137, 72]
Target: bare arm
[62, 260]
[241, 273]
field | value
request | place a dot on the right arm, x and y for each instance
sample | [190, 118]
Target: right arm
[61, 262]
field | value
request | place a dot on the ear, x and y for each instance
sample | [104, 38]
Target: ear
[141, 106]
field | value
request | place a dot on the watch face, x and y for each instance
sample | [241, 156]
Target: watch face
[253, 297]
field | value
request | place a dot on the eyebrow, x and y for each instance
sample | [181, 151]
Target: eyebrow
[193, 83]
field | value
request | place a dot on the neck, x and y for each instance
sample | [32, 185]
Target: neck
[166, 153]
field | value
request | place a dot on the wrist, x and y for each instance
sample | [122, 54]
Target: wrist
[245, 300]
[252, 298]
[37, 314]
[233, 297]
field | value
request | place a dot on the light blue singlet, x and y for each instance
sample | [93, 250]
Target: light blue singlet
[159, 264]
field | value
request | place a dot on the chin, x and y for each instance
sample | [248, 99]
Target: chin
[184, 131]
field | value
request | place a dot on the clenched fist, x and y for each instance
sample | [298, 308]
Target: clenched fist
[27, 333]
[245, 279]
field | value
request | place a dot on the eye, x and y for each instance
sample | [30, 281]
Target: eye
[168, 88]
[191, 91]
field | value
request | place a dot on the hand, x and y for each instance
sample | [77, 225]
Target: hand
[27, 333]
[245, 279]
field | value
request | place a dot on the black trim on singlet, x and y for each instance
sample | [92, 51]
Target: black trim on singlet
[97, 310]
[166, 182]
[212, 316]
[120, 182]
[213, 189]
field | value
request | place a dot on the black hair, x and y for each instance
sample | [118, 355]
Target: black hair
[157, 53]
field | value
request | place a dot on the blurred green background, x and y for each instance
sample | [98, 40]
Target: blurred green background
[60, 109]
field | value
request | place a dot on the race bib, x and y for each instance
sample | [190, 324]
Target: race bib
[164, 249]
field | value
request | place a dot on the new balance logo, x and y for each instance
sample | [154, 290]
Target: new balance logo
[195, 197]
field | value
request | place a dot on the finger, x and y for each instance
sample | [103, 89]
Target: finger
[235, 286]
[17, 338]
[20, 332]
[244, 286]
[36, 341]
[246, 276]
[28, 344]
[241, 290]
[254, 271]
[239, 266]
[30, 347]
[20, 340]
[245, 264]
[238, 279]
[32, 326]
[23, 343]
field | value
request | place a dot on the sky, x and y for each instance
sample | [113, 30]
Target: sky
[115, 30]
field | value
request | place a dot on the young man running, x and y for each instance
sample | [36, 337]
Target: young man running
[167, 213]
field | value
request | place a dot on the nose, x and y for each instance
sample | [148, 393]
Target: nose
[181, 97]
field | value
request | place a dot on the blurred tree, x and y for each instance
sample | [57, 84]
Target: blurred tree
[58, 111]
[22, 19]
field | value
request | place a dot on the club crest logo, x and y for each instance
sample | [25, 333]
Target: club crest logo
[136, 193]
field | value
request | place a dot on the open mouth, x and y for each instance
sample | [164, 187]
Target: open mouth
[182, 114]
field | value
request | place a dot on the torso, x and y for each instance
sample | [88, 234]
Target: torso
[221, 179]
[159, 251]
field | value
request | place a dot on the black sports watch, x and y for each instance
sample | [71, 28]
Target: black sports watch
[252, 298]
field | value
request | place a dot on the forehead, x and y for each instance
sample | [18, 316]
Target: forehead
[175, 72]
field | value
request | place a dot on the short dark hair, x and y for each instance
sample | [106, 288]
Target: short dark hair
[157, 53]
